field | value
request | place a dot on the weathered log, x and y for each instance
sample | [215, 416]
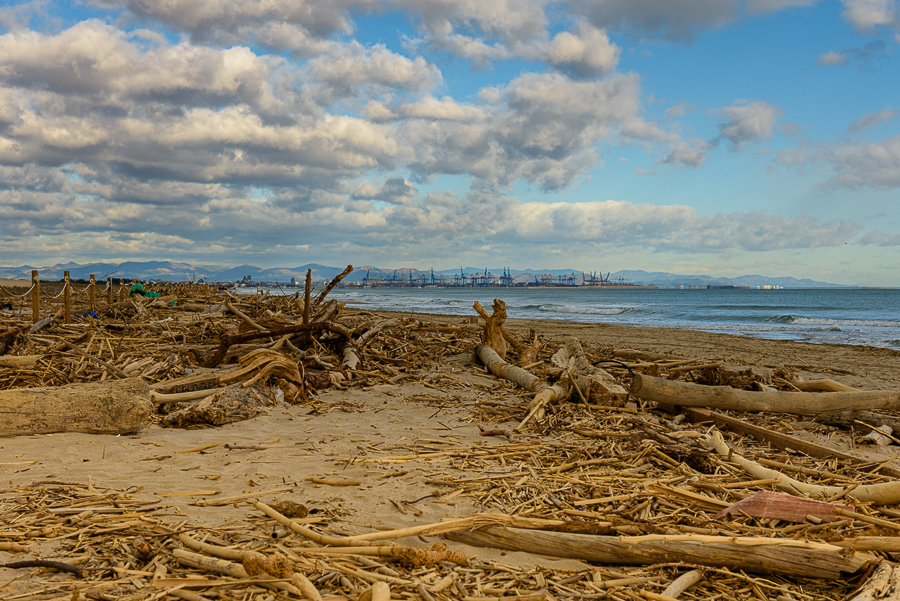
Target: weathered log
[684, 394]
[882, 493]
[493, 326]
[884, 583]
[778, 439]
[546, 392]
[863, 421]
[595, 384]
[18, 361]
[753, 554]
[116, 407]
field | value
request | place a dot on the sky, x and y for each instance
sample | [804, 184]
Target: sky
[712, 137]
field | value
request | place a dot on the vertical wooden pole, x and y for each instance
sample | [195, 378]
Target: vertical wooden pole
[307, 294]
[92, 293]
[67, 298]
[109, 292]
[121, 291]
[35, 295]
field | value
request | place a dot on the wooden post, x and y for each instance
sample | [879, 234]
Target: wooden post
[67, 298]
[109, 292]
[92, 293]
[121, 291]
[35, 295]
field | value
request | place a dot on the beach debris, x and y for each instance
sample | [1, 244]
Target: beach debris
[655, 505]
[545, 391]
[492, 334]
[769, 504]
[686, 394]
[114, 407]
[232, 404]
[594, 384]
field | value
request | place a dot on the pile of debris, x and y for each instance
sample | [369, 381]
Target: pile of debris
[669, 477]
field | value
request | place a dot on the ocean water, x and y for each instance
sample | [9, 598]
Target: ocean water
[826, 315]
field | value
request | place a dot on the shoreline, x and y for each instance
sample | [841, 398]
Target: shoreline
[863, 365]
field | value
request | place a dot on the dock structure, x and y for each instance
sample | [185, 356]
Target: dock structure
[487, 279]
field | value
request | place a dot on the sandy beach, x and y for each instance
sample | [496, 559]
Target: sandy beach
[370, 458]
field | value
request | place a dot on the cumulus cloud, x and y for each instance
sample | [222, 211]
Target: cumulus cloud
[354, 69]
[394, 190]
[589, 53]
[747, 123]
[868, 14]
[875, 165]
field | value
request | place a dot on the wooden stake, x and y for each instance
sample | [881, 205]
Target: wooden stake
[67, 298]
[92, 292]
[35, 296]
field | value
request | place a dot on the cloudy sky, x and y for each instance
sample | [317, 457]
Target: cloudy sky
[720, 137]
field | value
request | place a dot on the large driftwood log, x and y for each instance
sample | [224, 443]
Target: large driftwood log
[116, 407]
[684, 394]
[754, 554]
[595, 384]
[546, 392]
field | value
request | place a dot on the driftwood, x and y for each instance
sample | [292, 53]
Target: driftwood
[753, 554]
[546, 392]
[863, 421]
[884, 493]
[226, 406]
[493, 326]
[884, 583]
[595, 384]
[777, 439]
[684, 394]
[337, 279]
[17, 362]
[117, 407]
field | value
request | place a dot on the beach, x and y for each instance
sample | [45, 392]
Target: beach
[370, 457]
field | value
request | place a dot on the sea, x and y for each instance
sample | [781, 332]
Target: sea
[865, 317]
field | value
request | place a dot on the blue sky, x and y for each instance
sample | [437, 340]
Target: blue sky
[718, 137]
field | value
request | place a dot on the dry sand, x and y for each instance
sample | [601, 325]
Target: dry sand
[341, 437]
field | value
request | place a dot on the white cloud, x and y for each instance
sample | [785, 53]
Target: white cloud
[875, 165]
[833, 59]
[748, 123]
[353, 68]
[687, 155]
[868, 14]
[589, 53]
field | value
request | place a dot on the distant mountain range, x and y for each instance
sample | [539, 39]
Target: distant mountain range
[173, 271]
